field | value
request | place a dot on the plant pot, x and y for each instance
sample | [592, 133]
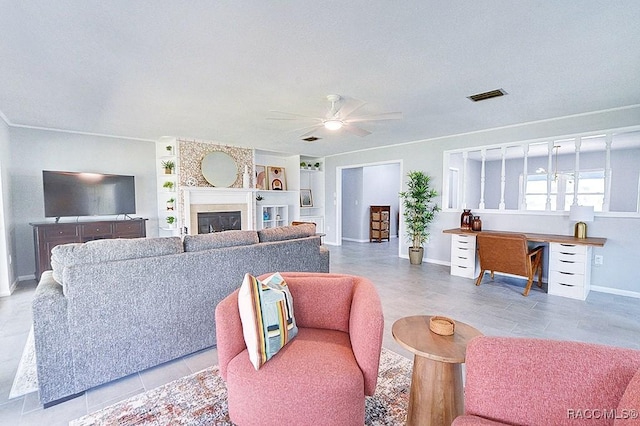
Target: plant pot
[415, 255]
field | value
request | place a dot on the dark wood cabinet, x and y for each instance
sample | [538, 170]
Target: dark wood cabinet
[379, 223]
[47, 235]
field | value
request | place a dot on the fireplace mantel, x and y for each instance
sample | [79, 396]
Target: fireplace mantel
[196, 197]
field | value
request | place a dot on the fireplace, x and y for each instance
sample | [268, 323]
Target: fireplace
[209, 222]
[235, 205]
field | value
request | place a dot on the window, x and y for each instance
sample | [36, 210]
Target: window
[590, 191]
[601, 170]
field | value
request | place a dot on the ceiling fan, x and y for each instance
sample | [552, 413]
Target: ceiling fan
[338, 117]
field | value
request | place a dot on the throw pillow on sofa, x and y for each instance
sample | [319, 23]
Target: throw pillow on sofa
[266, 313]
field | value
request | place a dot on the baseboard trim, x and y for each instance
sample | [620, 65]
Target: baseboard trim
[27, 277]
[616, 291]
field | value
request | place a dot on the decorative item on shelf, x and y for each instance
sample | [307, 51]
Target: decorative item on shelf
[170, 203]
[317, 166]
[581, 214]
[476, 224]
[246, 178]
[259, 197]
[168, 185]
[276, 178]
[277, 217]
[168, 166]
[265, 215]
[419, 212]
[171, 221]
[305, 198]
[261, 177]
[442, 325]
[303, 165]
[465, 220]
[169, 149]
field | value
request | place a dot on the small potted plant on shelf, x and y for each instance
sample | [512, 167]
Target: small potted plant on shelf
[168, 185]
[171, 221]
[169, 149]
[170, 203]
[168, 166]
[303, 165]
[419, 212]
[317, 166]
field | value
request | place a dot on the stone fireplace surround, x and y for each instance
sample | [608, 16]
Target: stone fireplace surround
[198, 200]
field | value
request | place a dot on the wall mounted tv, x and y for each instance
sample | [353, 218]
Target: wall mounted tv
[87, 194]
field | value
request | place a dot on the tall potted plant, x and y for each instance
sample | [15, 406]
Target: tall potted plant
[419, 212]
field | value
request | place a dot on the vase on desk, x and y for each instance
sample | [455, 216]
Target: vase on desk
[465, 220]
[476, 224]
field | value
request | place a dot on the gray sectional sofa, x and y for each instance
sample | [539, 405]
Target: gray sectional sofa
[110, 308]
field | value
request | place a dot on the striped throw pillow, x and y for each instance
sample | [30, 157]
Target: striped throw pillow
[266, 311]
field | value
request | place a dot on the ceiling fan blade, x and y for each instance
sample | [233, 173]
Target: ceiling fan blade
[374, 117]
[292, 116]
[346, 112]
[356, 130]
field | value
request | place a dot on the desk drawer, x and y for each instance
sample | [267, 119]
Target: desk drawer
[463, 241]
[568, 290]
[463, 271]
[566, 278]
[560, 264]
[569, 249]
[463, 253]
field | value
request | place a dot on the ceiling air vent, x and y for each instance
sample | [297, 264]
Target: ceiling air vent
[310, 139]
[487, 95]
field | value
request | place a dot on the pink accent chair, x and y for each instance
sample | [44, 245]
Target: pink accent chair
[522, 381]
[321, 377]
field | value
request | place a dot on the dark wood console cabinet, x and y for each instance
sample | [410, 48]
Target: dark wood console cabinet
[47, 235]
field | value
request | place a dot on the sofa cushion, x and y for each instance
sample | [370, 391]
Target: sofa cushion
[627, 411]
[282, 233]
[216, 240]
[98, 251]
[266, 313]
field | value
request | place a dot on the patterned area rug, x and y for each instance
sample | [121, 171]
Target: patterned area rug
[201, 399]
[26, 379]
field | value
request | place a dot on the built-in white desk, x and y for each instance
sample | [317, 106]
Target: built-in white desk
[569, 269]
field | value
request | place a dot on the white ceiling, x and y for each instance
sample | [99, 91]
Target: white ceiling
[213, 70]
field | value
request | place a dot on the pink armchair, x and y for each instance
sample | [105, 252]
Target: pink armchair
[549, 382]
[321, 377]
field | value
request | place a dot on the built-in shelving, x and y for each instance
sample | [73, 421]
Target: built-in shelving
[167, 151]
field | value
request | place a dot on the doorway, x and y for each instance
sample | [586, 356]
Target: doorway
[360, 186]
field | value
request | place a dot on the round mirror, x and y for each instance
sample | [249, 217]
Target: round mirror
[219, 169]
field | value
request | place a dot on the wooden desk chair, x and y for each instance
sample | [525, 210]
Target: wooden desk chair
[509, 253]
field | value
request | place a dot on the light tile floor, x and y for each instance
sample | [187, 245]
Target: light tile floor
[495, 308]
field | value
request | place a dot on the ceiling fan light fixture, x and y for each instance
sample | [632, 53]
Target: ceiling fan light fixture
[333, 124]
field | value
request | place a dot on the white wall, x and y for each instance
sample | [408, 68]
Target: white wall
[619, 271]
[7, 269]
[35, 150]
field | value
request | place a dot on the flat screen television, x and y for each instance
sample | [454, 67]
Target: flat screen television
[87, 194]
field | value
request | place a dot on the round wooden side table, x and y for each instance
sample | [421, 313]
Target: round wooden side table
[436, 396]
